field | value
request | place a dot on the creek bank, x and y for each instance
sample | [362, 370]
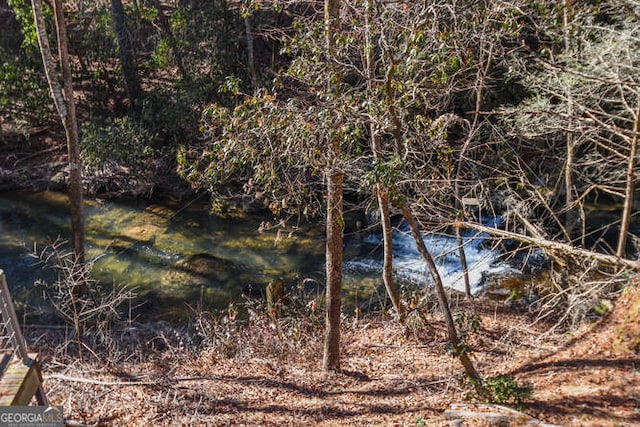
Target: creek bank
[37, 161]
[626, 318]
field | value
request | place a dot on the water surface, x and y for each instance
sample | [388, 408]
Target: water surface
[178, 256]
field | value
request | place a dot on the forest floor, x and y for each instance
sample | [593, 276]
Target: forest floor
[264, 375]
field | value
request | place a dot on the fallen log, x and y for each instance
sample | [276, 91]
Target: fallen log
[564, 248]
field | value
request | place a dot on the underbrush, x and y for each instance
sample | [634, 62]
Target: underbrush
[289, 328]
[567, 299]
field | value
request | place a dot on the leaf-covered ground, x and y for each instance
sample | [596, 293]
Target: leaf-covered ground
[389, 377]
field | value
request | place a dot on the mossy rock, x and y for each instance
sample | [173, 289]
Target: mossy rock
[141, 227]
[160, 211]
[203, 264]
[201, 270]
[141, 233]
[627, 317]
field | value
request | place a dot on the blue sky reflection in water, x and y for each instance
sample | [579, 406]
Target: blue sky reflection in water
[176, 255]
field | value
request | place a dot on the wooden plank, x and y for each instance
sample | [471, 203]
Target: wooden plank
[19, 383]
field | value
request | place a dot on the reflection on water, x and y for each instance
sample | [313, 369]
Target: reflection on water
[178, 255]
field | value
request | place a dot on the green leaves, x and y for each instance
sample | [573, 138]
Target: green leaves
[119, 145]
[502, 389]
[24, 16]
[386, 172]
[264, 147]
[467, 322]
[231, 85]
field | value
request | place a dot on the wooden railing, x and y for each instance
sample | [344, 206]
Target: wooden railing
[21, 377]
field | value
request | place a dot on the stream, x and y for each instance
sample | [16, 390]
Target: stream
[176, 255]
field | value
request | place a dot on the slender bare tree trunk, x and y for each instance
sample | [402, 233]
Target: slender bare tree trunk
[335, 221]
[248, 31]
[454, 341]
[387, 267]
[166, 29]
[569, 201]
[629, 186]
[480, 80]
[382, 192]
[558, 247]
[127, 56]
[48, 61]
[64, 101]
[66, 107]
[463, 262]
[73, 141]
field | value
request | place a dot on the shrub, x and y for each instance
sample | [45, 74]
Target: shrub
[118, 155]
[502, 389]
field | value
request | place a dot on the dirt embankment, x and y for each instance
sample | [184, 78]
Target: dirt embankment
[33, 160]
[37, 160]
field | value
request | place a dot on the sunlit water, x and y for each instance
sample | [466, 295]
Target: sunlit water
[177, 256]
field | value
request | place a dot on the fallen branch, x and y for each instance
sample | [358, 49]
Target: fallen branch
[399, 346]
[166, 381]
[98, 382]
[556, 246]
[39, 153]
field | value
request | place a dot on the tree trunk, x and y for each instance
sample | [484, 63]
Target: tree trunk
[382, 193]
[166, 29]
[463, 263]
[569, 201]
[48, 61]
[73, 141]
[332, 23]
[473, 129]
[456, 345]
[331, 359]
[560, 248]
[127, 57]
[629, 187]
[387, 267]
[65, 105]
[248, 31]
[335, 221]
